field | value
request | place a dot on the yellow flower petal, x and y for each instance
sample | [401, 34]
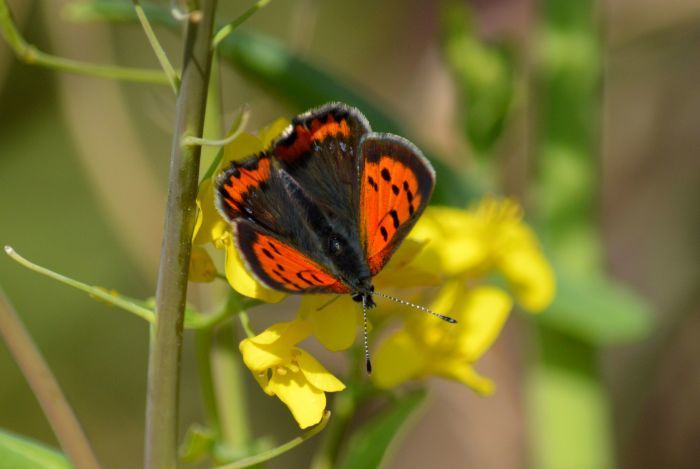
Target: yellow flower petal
[531, 277]
[199, 219]
[241, 281]
[209, 225]
[483, 313]
[289, 332]
[263, 379]
[454, 245]
[243, 146]
[273, 346]
[316, 374]
[334, 324]
[272, 131]
[305, 401]
[399, 358]
[464, 373]
[258, 358]
[202, 268]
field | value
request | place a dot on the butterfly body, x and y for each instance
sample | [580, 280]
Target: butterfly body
[324, 208]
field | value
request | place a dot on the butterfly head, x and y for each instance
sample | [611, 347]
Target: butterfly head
[365, 297]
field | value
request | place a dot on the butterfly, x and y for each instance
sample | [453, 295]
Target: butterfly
[325, 207]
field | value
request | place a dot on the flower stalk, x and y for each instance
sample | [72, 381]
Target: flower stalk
[166, 341]
[44, 386]
[29, 54]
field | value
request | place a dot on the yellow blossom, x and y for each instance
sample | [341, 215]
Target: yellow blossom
[426, 346]
[288, 372]
[467, 248]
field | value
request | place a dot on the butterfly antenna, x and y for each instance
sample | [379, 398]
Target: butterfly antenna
[413, 305]
[364, 331]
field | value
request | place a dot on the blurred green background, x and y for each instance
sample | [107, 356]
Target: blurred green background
[83, 168]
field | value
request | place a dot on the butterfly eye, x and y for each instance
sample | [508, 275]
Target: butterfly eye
[357, 297]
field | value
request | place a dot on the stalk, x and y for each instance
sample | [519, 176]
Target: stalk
[45, 388]
[166, 339]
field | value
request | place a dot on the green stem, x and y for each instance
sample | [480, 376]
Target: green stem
[245, 324]
[128, 304]
[166, 343]
[327, 454]
[29, 54]
[157, 48]
[45, 387]
[229, 383]
[204, 347]
[273, 453]
[240, 127]
[222, 33]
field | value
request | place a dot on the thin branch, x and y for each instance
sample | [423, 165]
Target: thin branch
[274, 452]
[157, 48]
[240, 125]
[222, 33]
[45, 387]
[128, 304]
[29, 54]
[166, 342]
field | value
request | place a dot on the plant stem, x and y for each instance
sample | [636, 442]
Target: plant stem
[223, 33]
[327, 453]
[203, 345]
[274, 452]
[110, 297]
[166, 342]
[45, 387]
[29, 54]
[230, 388]
[157, 48]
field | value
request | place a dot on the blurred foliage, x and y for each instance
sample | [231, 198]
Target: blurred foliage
[369, 446]
[19, 452]
[484, 74]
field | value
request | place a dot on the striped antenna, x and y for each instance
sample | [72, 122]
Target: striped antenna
[413, 305]
[364, 330]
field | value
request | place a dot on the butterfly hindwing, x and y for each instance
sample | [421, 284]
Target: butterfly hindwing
[396, 183]
[280, 266]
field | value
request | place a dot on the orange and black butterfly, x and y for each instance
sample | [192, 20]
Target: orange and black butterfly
[324, 209]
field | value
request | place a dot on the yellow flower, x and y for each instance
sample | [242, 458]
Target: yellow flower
[467, 248]
[288, 372]
[426, 346]
[490, 239]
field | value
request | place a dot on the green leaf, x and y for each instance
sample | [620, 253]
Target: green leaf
[369, 446]
[598, 311]
[19, 452]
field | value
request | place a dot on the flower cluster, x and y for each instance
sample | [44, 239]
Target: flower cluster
[469, 264]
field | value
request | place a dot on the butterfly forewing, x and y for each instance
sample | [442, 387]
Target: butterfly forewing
[320, 151]
[396, 183]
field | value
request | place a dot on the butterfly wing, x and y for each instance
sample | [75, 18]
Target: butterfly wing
[396, 183]
[320, 151]
[279, 265]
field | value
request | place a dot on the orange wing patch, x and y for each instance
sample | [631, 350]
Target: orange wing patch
[242, 178]
[317, 130]
[282, 267]
[390, 198]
